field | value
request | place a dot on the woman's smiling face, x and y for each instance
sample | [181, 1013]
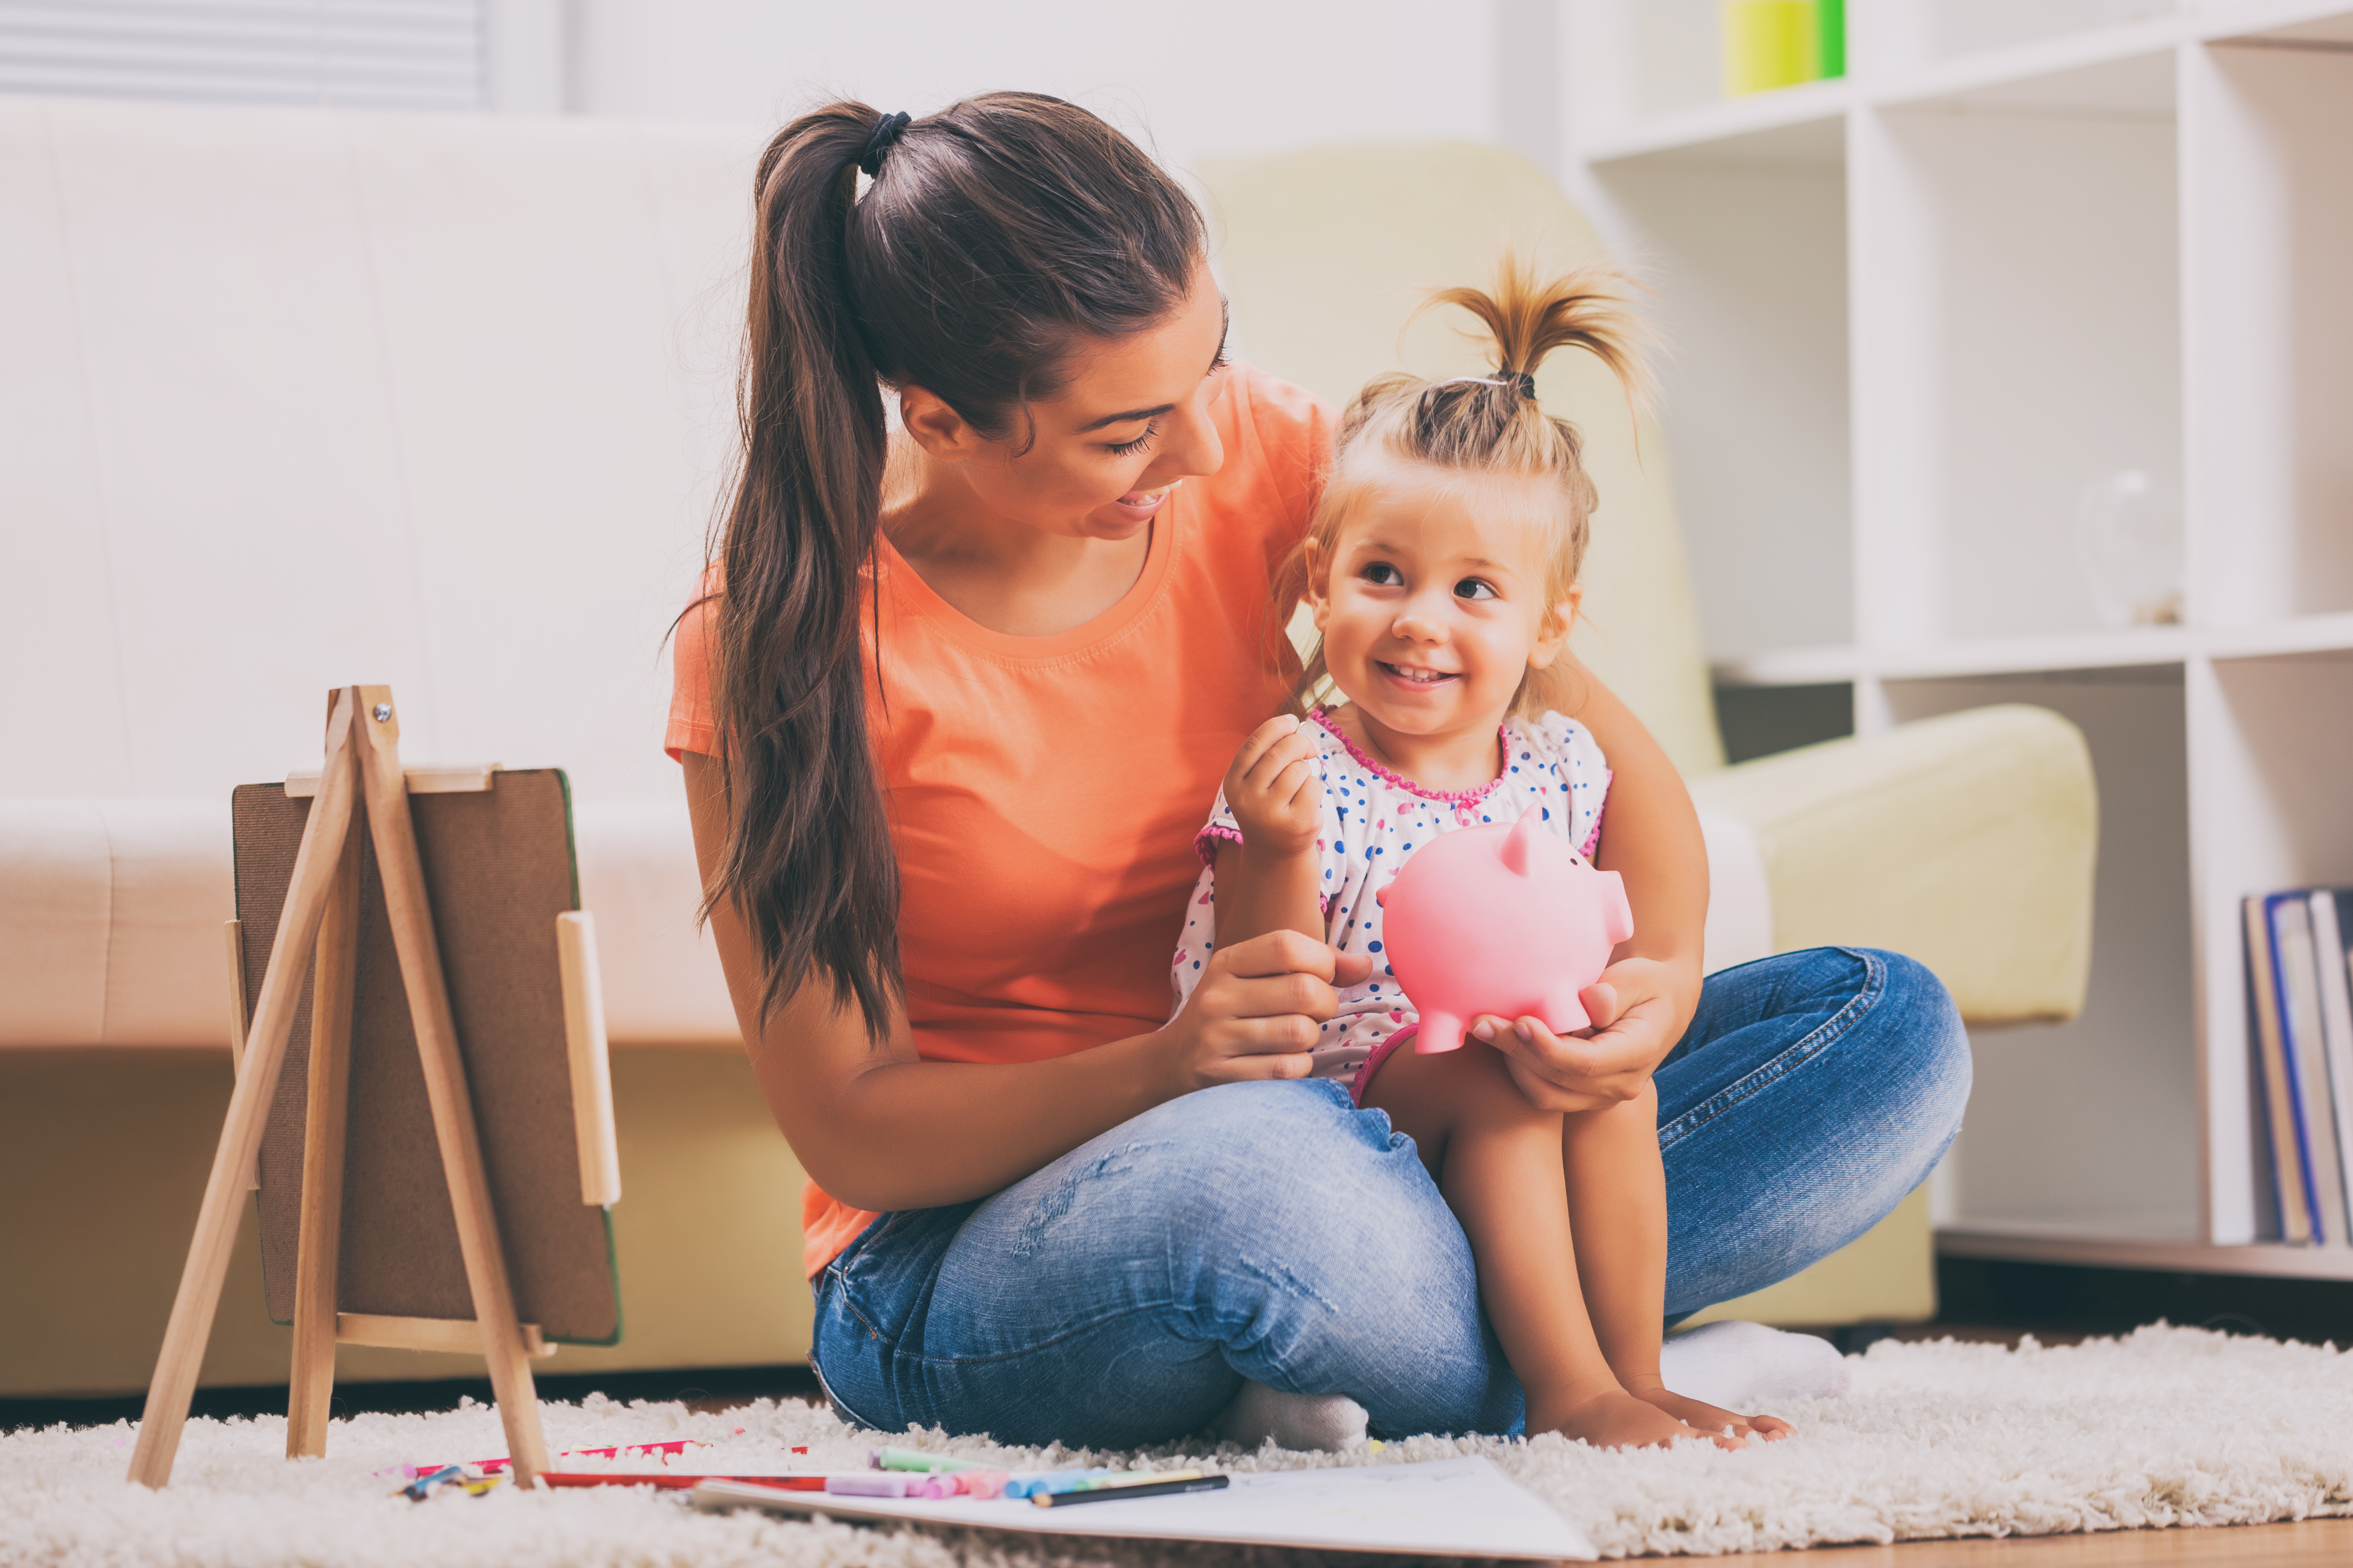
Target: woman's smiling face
[1131, 421]
[1432, 603]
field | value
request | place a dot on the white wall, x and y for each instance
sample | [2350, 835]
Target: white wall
[1209, 78]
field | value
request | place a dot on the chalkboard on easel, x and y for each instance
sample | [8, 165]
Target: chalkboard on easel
[435, 1178]
[498, 869]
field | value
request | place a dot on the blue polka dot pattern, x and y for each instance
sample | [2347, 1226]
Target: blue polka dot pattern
[1383, 816]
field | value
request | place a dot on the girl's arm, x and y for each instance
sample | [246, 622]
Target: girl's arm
[1269, 881]
[1258, 892]
[1650, 837]
[879, 1129]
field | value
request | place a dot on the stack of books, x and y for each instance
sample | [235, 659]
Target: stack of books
[2300, 1017]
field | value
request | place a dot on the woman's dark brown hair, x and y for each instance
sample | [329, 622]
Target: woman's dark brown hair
[997, 237]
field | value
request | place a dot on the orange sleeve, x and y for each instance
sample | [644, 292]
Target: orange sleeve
[693, 727]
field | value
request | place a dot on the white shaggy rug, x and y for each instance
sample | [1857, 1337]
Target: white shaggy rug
[2167, 1428]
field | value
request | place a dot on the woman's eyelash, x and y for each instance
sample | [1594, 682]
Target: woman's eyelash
[1129, 448]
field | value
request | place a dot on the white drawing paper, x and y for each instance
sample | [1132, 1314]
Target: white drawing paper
[1456, 1508]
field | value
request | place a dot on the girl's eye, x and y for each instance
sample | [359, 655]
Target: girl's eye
[1129, 448]
[1471, 588]
[1381, 574]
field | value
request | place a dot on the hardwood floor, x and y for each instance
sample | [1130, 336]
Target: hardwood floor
[2255, 1546]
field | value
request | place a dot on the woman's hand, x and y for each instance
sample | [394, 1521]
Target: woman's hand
[1272, 789]
[1638, 1016]
[1254, 1014]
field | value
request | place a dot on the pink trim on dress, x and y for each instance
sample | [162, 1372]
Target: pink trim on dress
[1593, 839]
[1381, 1053]
[1218, 831]
[1459, 799]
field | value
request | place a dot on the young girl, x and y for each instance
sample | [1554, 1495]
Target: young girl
[1441, 570]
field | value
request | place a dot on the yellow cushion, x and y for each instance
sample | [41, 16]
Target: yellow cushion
[1964, 841]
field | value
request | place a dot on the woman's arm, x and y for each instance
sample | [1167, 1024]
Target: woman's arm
[1651, 837]
[879, 1129]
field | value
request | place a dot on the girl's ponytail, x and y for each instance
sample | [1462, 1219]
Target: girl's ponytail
[996, 240]
[809, 857]
[1584, 307]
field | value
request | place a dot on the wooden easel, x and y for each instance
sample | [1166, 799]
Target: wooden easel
[360, 783]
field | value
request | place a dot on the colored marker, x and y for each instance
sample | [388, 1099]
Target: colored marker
[1059, 1481]
[667, 1481]
[908, 1459]
[1134, 1489]
[868, 1485]
[417, 1489]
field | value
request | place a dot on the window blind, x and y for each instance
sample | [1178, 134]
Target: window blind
[392, 53]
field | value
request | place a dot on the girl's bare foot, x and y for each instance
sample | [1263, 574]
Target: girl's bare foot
[1616, 1419]
[1711, 1418]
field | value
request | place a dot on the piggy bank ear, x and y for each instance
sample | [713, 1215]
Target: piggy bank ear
[1518, 845]
[1381, 897]
[1616, 914]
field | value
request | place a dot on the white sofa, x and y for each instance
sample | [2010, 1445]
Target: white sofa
[289, 399]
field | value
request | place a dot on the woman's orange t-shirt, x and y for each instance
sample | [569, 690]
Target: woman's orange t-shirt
[1044, 792]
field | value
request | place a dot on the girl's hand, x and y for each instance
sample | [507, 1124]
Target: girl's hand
[1254, 1014]
[1636, 1022]
[1274, 789]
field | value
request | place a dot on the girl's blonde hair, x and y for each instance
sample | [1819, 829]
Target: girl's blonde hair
[1489, 425]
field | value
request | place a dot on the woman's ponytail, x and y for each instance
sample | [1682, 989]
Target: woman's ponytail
[996, 238]
[809, 857]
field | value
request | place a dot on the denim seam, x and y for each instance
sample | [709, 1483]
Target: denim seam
[1073, 1331]
[835, 1400]
[1875, 984]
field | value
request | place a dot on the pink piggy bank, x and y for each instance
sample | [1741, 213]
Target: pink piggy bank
[1502, 920]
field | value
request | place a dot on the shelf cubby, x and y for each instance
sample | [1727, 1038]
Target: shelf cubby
[2273, 772]
[2272, 323]
[2120, 1077]
[1745, 240]
[2018, 314]
[1907, 37]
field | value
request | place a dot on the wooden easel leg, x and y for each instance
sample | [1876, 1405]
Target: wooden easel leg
[320, 1249]
[395, 835]
[183, 1354]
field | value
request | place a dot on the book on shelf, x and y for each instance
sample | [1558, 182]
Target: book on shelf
[2300, 1015]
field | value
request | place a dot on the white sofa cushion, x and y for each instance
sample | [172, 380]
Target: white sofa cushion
[111, 914]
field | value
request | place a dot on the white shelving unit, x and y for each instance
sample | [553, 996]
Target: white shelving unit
[2023, 246]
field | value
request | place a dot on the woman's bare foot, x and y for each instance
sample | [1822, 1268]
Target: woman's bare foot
[1711, 1418]
[1616, 1419]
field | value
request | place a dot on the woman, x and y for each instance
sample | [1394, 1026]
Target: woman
[950, 712]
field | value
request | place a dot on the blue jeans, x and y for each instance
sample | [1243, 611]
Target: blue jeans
[1273, 1231]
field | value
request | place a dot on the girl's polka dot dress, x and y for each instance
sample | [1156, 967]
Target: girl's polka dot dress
[1372, 820]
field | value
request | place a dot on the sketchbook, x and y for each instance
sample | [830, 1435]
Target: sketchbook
[1449, 1508]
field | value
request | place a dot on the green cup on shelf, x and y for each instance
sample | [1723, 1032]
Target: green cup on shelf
[1772, 43]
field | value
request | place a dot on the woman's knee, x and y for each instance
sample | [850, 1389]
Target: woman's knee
[1920, 1052]
[1254, 1133]
[1295, 1176]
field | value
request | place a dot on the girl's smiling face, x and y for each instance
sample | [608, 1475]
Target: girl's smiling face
[1433, 603]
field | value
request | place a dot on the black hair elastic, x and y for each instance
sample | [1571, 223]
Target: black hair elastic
[1525, 383]
[880, 141]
